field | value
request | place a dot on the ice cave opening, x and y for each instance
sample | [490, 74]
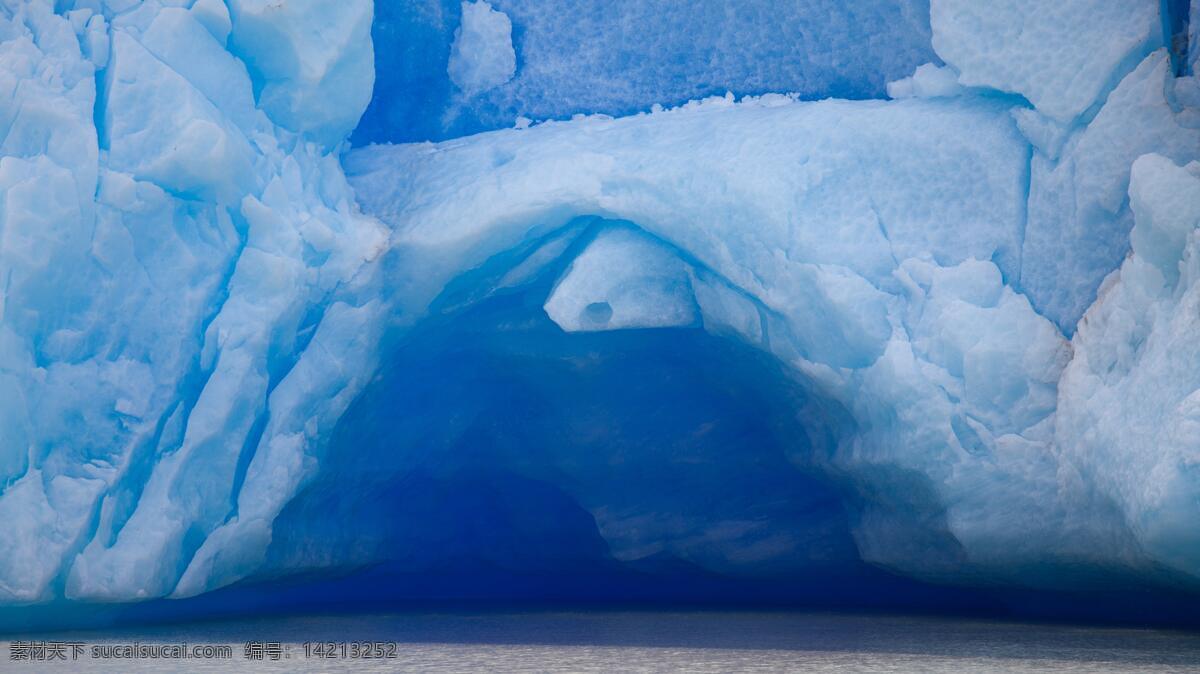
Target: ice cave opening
[557, 429]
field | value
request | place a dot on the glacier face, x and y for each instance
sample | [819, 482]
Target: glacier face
[952, 335]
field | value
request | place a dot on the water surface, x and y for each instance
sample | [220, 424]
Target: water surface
[637, 641]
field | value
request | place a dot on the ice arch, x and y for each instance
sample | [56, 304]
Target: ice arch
[900, 313]
[657, 436]
[850, 333]
[896, 337]
[872, 239]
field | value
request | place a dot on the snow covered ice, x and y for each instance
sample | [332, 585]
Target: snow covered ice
[919, 307]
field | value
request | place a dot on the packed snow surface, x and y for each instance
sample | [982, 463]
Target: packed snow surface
[952, 333]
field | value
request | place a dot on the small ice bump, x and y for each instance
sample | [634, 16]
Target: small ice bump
[929, 81]
[1061, 56]
[482, 55]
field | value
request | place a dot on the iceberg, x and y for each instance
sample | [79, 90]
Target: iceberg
[907, 313]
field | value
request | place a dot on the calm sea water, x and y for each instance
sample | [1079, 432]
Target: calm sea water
[608, 641]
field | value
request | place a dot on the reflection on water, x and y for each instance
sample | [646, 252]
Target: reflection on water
[603, 641]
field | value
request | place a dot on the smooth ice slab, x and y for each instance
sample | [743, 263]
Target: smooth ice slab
[1062, 56]
[312, 61]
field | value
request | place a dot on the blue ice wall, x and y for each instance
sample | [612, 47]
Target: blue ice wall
[593, 56]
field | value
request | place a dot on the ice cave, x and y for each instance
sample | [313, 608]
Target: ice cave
[879, 303]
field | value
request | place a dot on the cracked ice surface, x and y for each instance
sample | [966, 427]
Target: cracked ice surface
[162, 300]
[191, 298]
